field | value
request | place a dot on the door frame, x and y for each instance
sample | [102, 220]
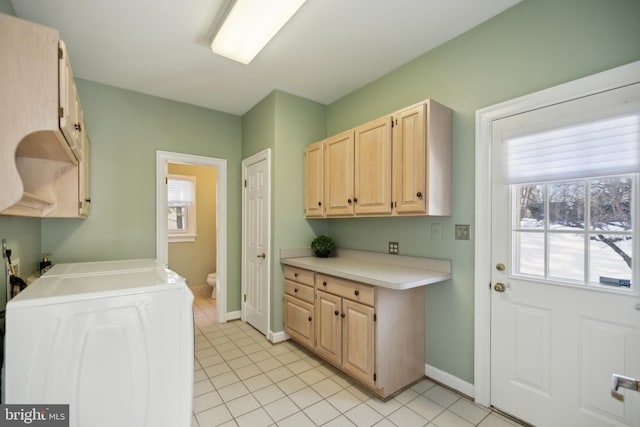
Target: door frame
[606, 80]
[163, 158]
[264, 155]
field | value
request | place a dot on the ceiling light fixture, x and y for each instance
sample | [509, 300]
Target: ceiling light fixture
[249, 26]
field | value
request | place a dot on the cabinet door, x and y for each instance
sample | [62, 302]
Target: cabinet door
[372, 173]
[328, 326]
[313, 180]
[338, 175]
[298, 320]
[358, 341]
[84, 166]
[71, 117]
[409, 161]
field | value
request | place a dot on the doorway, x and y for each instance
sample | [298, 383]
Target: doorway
[546, 335]
[163, 159]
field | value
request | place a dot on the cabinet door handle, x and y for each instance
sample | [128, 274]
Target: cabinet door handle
[295, 290]
[324, 283]
[309, 318]
[336, 312]
[355, 200]
[319, 203]
[343, 315]
[349, 201]
[419, 195]
[356, 292]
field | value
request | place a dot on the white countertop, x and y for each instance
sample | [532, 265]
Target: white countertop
[388, 271]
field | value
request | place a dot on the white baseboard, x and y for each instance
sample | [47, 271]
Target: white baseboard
[449, 380]
[276, 337]
[233, 315]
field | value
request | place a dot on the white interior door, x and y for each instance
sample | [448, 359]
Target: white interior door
[256, 242]
[562, 318]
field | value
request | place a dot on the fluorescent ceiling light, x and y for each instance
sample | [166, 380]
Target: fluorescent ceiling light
[249, 26]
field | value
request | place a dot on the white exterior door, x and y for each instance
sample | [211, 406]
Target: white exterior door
[563, 315]
[256, 242]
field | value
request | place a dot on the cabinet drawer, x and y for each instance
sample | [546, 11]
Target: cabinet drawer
[346, 288]
[298, 290]
[298, 275]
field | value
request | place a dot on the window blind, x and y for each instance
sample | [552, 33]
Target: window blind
[601, 147]
[180, 191]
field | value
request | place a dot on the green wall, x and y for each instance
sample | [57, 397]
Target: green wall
[532, 46]
[126, 129]
[286, 124]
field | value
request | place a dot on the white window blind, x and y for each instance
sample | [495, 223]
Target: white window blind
[596, 148]
[180, 191]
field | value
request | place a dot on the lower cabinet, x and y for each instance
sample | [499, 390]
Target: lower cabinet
[373, 334]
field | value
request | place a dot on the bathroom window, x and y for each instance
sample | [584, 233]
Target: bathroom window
[181, 207]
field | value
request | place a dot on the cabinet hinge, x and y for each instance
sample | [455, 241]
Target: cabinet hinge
[245, 297]
[79, 205]
[245, 183]
[375, 317]
[375, 377]
[166, 180]
[60, 53]
[60, 112]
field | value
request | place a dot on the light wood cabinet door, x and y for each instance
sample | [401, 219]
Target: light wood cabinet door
[372, 167]
[338, 175]
[358, 345]
[71, 119]
[298, 320]
[313, 180]
[409, 160]
[329, 327]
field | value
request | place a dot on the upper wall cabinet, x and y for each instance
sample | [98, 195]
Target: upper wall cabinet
[399, 164]
[338, 175]
[42, 131]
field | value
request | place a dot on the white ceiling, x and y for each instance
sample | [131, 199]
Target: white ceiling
[328, 49]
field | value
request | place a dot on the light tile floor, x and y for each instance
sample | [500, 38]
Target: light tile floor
[241, 379]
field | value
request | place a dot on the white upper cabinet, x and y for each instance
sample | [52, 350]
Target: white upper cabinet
[42, 132]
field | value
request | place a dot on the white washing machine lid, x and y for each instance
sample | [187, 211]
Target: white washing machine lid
[65, 289]
[102, 266]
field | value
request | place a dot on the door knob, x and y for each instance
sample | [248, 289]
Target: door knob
[500, 266]
[499, 287]
[263, 256]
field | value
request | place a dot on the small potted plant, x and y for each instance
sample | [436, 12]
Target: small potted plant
[322, 246]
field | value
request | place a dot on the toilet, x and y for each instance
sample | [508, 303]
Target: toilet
[212, 280]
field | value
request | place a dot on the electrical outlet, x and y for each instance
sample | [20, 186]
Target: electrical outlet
[393, 248]
[463, 232]
[436, 232]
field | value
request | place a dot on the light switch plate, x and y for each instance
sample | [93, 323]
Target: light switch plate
[463, 232]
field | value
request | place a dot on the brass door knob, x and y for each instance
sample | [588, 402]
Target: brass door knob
[499, 287]
[500, 266]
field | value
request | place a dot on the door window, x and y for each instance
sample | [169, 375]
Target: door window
[575, 231]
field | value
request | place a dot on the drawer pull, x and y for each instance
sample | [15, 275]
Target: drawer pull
[356, 292]
[309, 319]
[336, 312]
[295, 290]
[324, 283]
[295, 274]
